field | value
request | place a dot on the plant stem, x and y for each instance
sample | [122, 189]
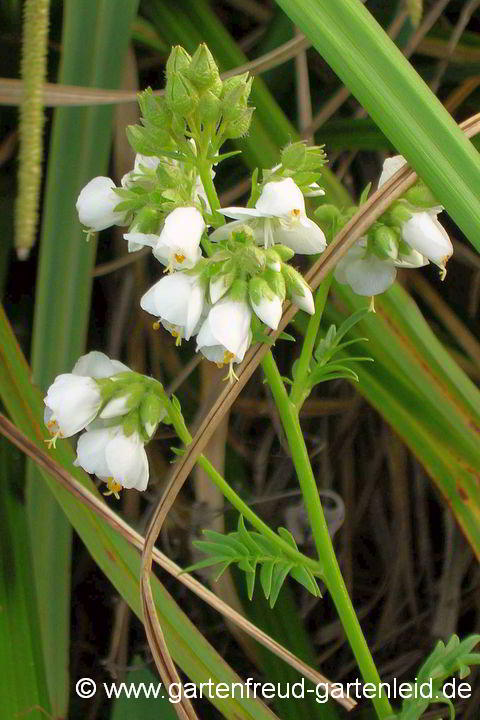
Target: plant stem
[333, 576]
[235, 500]
[297, 393]
[204, 167]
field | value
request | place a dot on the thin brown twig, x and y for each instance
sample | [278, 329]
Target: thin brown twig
[355, 228]
[100, 508]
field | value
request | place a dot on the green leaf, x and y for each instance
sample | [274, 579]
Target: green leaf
[280, 572]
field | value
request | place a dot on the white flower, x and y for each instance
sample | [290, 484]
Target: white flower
[390, 167]
[117, 459]
[427, 236]
[278, 217]
[305, 301]
[96, 205]
[368, 274]
[143, 166]
[225, 334]
[265, 303]
[178, 245]
[177, 300]
[71, 403]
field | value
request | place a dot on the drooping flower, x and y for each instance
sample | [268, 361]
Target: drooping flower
[278, 217]
[117, 459]
[225, 335]
[96, 205]
[422, 231]
[74, 399]
[177, 301]
[178, 245]
[367, 274]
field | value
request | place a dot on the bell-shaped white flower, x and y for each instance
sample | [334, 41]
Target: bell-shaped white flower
[71, 403]
[278, 217]
[96, 205]
[427, 236]
[178, 245]
[177, 301]
[365, 272]
[117, 459]
[225, 335]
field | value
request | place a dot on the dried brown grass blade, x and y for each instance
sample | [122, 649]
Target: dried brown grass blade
[55, 95]
[361, 221]
[67, 481]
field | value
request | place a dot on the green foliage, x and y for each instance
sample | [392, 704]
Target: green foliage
[444, 662]
[247, 549]
[325, 366]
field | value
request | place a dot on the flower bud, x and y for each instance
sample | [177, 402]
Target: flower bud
[284, 252]
[253, 259]
[274, 261]
[178, 61]
[154, 109]
[266, 304]
[203, 70]
[209, 107]
[181, 95]
[146, 221]
[123, 401]
[276, 282]
[152, 412]
[239, 128]
[327, 214]
[385, 244]
[420, 196]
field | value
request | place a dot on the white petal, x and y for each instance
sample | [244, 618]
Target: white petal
[115, 407]
[148, 162]
[168, 298]
[390, 167]
[240, 213]
[315, 190]
[127, 461]
[305, 301]
[74, 401]
[303, 236]
[414, 259]
[98, 365]
[229, 322]
[269, 311]
[280, 199]
[370, 275]
[223, 232]
[91, 451]
[96, 202]
[138, 240]
[425, 234]
[354, 253]
[219, 284]
[195, 308]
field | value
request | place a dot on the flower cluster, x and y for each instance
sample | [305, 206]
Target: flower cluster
[119, 410]
[408, 235]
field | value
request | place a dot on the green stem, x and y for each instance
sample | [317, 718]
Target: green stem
[204, 167]
[331, 571]
[298, 392]
[236, 501]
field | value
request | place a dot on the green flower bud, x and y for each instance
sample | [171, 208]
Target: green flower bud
[203, 70]
[385, 243]
[181, 95]
[294, 156]
[239, 290]
[154, 109]
[398, 214]
[274, 260]
[253, 259]
[178, 61]
[147, 141]
[209, 107]
[327, 214]
[152, 412]
[276, 282]
[315, 158]
[258, 288]
[239, 128]
[420, 196]
[241, 81]
[285, 253]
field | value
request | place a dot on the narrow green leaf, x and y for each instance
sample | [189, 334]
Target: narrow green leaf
[280, 572]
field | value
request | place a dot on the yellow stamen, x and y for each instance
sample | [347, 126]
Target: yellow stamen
[177, 333]
[114, 488]
[52, 442]
[179, 257]
[231, 372]
[295, 213]
[371, 307]
[156, 325]
[443, 270]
